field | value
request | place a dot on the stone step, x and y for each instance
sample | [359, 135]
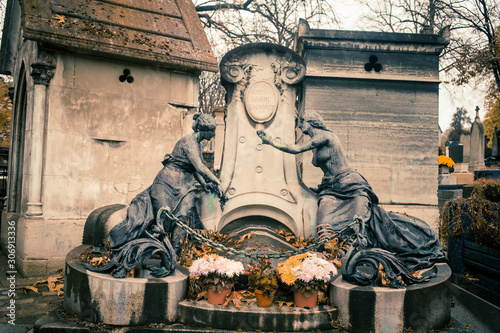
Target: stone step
[56, 321]
[252, 317]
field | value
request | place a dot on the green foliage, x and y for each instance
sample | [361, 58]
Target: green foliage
[5, 114]
[480, 209]
[492, 117]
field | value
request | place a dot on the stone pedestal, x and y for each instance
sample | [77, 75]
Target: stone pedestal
[461, 178]
[421, 307]
[251, 317]
[103, 299]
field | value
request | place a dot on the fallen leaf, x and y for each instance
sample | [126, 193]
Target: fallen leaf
[337, 263]
[58, 18]
[96, 261]
[203, 294]
[469, 277]
[234, 297]
[32, 288]
[245, 236]
[59, 288]
[417, 274]
[289, 304]
[51, 283]
[468, 325]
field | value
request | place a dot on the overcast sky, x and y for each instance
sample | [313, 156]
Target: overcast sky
[450, 96]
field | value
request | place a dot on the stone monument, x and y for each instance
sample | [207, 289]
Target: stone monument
[264, 193]
[476, 144]
[262, 184]
[379, 93]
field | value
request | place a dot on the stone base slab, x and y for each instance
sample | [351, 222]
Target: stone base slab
[57, 322]
[420, 307]
[252, 317]
[101, 298]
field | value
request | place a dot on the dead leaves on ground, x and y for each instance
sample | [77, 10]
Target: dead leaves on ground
[245, 236]
[96, 256]
[190, 251]
[54, 283]
[239, 296]
[297, 242]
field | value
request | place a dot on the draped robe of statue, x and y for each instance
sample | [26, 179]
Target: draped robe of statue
[154, 214]
[399, 243]
[411, 241]
[175, 187]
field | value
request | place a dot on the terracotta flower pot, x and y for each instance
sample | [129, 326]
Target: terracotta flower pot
[217, 298]
[302, 301]
[264, 301]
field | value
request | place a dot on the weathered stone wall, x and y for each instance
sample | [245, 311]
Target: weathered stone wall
[388, 131]
[104, 141]
[115, 134]
[102, 98]
[379, 93]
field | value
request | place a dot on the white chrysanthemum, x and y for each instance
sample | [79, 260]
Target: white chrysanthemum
[314, 268]
[215, 264]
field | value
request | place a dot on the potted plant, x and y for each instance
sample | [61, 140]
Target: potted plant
[306, 273]
[217, 275]
[263, 280]
[445, 164]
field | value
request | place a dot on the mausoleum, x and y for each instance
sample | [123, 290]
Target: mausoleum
[102, 90]
[379, 93]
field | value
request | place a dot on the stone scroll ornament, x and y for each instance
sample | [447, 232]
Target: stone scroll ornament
[145, 233]
[260, 96]
[398, 242]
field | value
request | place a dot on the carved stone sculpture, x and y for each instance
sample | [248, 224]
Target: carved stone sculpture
[177, 189]
[400, 243]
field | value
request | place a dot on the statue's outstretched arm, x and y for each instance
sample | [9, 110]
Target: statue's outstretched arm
[294, 148]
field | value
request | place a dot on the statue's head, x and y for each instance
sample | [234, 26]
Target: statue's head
[204, 123]
[314, 119]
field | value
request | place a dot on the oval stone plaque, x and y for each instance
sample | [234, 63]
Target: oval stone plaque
[261, 101]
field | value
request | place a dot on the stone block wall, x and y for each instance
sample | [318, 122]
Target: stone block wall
[103, 143]
[379, 93]
[105, 139]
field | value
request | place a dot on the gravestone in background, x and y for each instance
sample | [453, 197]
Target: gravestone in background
[456, 152]
[465, 141]
[494, 145]
[476, 144]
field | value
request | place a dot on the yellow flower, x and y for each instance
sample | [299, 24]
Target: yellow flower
[446, 161]
[284, 268]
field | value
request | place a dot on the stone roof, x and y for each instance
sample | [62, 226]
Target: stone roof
[167, 33]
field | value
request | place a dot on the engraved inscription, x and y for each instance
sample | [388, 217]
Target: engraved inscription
[261, 101]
